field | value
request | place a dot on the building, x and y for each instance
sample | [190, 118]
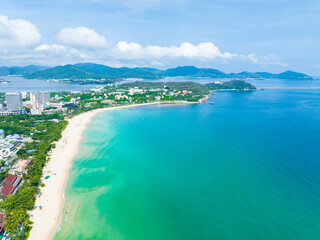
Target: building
[73, 100]
[40, 97]
[107, 101]
[14, 102]
[24, 95]
[37, 108]
[135, 90]
[9, 186]
[39, 101]
[21, 166]
[1, 134]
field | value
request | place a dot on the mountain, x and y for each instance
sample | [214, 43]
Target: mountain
[266, 75]
[35, 68]
[86, 72]
[293, 75]
[63, 72]
[192, 71]
[82, 71]
[4, 71]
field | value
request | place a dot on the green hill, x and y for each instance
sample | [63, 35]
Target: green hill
[191, 71]
[5, 71]
[63, 72]
[234, 85]
[91, 71]
[88, 72]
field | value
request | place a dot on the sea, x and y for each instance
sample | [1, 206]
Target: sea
[19, 84]
[240, 166]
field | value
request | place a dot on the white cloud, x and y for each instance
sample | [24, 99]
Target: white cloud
[82, 37]
[205, 51]
[51, 48]
[17, 33]
[82, 44]
[263, 60]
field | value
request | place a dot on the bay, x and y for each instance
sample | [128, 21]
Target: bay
[246, 167]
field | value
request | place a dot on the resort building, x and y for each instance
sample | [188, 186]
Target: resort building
[107, 101]
[9, 186]
[135, 90]
[39, 102]
[14, 103]
[40, 97]
[37, 108]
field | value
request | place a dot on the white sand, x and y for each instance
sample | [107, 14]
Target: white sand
[47, 220]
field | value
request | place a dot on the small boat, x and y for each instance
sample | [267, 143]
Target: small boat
[212, 103]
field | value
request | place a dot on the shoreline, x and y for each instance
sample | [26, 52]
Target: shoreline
[47, 221]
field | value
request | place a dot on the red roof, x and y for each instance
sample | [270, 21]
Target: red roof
[10, 179]
[7, 189]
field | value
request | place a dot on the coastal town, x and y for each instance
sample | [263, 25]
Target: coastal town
[31, 128]
[32, 122]
[159, 120]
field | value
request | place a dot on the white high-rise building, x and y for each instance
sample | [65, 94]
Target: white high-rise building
[37, 108]
[39, 101]
[14, 102]
[40, 97]
[24, 95]
[45, 97]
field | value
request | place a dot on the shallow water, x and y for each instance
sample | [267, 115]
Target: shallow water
[244, 168]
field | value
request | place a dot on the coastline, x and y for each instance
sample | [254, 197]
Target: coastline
[51, 198]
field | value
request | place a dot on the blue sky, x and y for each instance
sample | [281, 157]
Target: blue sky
[231, 35]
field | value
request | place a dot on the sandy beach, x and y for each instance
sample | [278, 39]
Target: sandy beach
[47, 220]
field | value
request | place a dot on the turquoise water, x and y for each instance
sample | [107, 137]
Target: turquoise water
[247, 167]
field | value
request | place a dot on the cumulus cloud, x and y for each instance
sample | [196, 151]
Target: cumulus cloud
[82, 44]
[263, 60]
[51, 48]
[205, 51]
[82, 37]
[17, 33]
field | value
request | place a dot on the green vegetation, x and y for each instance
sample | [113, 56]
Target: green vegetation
[97, 73]
[196, 88]
[231, 85]
[43, 133]
[4, 71]
[91, 73]
[24, 124]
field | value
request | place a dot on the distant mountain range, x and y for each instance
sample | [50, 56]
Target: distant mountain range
[191, 71]
[101, 73]
[5, 71]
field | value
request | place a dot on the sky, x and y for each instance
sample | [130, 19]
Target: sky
[230, 35]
